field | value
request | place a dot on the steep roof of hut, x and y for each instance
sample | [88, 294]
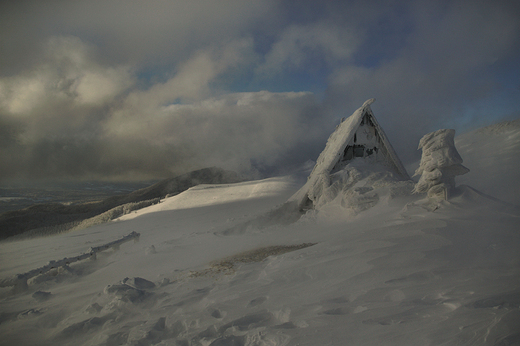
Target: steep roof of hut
[344, 138]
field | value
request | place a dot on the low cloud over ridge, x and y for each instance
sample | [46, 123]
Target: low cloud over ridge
[105, 91]
[78, 118]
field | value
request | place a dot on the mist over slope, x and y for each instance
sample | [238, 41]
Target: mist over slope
[50, 218]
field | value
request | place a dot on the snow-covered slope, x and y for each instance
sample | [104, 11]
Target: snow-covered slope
[492, 154]
[401, 272]
[52, 218]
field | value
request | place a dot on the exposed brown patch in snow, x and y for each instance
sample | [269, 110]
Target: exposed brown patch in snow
[227, 264]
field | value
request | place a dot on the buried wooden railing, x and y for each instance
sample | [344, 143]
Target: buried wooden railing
[19, 281]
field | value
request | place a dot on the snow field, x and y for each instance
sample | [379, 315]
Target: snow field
[492, 153]
[394, 274]
[403, 271]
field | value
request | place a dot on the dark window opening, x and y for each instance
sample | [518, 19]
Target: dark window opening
[359, 150]
[355, 151]
[348, 154]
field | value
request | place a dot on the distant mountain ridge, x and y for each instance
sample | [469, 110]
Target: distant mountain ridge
[501, 127]
[51, 218]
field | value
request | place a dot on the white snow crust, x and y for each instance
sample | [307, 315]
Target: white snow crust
[373, 266]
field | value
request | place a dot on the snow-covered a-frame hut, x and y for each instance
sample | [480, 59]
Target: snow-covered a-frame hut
[358, 136]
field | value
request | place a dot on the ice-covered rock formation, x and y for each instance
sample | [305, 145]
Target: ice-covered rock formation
[357, 138]
[440, 163]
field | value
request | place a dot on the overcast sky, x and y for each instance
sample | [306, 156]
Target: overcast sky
[150, 89]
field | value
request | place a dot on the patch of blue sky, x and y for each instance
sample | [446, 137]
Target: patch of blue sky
[151, 75]
[286, 81]
[385, 39]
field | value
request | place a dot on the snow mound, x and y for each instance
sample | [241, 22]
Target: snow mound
[359, 186]
[356, 188]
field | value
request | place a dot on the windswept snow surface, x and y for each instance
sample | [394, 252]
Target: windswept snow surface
[406, 271]
[492, 154]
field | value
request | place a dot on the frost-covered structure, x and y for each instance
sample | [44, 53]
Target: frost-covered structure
[356, 138]
[440, 163]
[20, 281]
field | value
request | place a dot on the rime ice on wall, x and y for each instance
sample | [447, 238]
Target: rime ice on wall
[440, 163]
[357, 137]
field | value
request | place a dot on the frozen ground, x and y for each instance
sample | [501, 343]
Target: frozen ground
[402, 272]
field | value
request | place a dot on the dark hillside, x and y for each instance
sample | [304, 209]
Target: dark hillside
[55, 214]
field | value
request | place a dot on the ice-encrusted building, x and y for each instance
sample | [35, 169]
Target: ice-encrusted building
[358, 136]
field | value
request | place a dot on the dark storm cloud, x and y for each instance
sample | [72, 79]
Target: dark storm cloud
[79, 118]
[158, 32]
[123, 90]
